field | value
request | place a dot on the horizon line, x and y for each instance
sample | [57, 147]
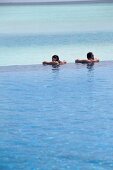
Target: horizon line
[57, 3]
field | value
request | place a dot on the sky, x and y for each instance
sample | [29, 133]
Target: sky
[37, 0]
[4, 1]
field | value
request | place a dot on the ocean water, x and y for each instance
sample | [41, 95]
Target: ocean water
[56, 118]
[32, 34]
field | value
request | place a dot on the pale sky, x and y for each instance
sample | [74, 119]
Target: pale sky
[3, 1]
[39, 0]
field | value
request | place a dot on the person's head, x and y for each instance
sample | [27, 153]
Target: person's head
[55, 58]
[90, 56]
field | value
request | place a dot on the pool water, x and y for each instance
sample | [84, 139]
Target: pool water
[56, 118]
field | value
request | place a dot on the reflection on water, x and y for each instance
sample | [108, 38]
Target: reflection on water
[90, 66]
[55, 67]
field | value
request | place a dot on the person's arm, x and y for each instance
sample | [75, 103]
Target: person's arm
[82, 61]
[50, 63]
[85, 61]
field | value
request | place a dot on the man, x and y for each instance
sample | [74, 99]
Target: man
[55, 61]
[90, 59]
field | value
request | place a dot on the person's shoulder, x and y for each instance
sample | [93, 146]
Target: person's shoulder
[62, 62]
[96, 60]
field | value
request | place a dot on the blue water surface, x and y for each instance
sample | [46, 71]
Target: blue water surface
[56, 118]
[36, 40]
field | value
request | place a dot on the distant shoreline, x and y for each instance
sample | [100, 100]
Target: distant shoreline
[56, 3]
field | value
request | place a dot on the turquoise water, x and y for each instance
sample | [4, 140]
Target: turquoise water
[31, 34]
[56, 118]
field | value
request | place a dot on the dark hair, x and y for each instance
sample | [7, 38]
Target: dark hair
[90, 55]
[56, 57]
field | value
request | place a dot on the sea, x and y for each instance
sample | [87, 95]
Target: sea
[30, 34]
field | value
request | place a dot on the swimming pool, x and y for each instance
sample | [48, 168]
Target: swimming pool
[56, 118]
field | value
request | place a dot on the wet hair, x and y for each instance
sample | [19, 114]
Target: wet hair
[56, 57]
[90, 55]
